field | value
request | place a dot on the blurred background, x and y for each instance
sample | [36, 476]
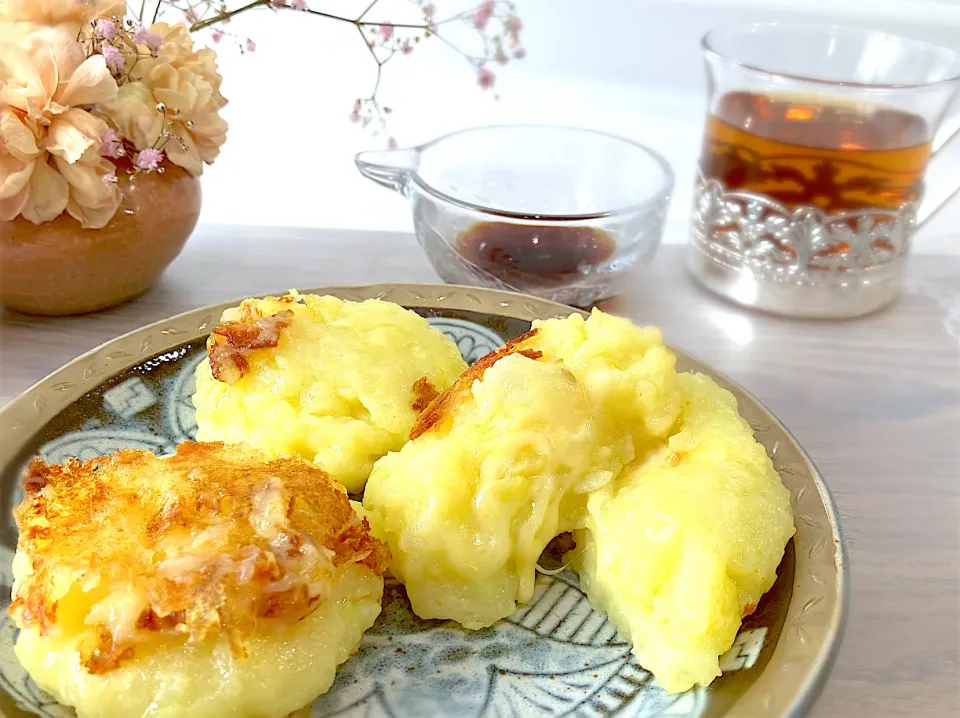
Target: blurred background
[630, 67]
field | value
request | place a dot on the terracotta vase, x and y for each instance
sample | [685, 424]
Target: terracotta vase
[59, 268]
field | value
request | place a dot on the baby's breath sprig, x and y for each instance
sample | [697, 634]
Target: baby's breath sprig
[495, 23]
[150, 159]
[123, 42]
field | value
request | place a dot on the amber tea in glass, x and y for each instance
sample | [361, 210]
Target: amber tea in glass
[816, 148]
[802, 151]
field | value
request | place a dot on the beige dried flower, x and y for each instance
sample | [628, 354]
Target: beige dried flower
[59, 12]
[184, 82]
[18, 158]
[47, 136]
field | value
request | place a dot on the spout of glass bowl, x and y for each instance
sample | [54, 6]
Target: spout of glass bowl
[391, 168]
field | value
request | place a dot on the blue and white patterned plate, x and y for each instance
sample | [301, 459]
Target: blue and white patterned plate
[555, 657]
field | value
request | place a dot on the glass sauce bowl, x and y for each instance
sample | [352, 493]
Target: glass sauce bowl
[560, 213]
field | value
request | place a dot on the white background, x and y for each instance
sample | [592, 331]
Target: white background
[631, 67]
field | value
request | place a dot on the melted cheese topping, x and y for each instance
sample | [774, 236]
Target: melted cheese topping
[200, 543]
[629, 376]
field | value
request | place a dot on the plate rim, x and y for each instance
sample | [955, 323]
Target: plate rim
[765, 695]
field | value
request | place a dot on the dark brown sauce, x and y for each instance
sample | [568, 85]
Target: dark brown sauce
[535, 256]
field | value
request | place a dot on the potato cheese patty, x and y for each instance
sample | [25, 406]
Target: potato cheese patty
[683, 544]
[335, 383]
[629, 376]
[213, 582]
[585, 425]
[468, 506]
[504, 460]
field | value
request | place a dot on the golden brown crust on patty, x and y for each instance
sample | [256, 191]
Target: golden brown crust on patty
[207, 541]
[441, 406]
[423, 393]
[231, 342]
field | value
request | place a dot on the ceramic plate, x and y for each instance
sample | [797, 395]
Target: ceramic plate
[555, 657]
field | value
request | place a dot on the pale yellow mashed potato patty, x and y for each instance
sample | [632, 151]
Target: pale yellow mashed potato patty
[508, 457]
[468, 507]
[329, 381]
[682, 545]
[586, 425]
[629, 376]
[287, 667]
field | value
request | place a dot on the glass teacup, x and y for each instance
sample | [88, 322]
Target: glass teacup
[813, 169]
[561, 213]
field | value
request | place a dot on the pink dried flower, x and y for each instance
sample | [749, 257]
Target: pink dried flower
[519, 53]
[355, 116]
[483, 14]
[386, 31]
[217, 35]
[406, 48]
[392, 143]
[251, 45]
[513, 25]
[148, 159]
[105, 29]
[429, 10]
[113, 58]
[298, 4]
[109, 179]
[485, 78]
[151, 39]
[110, 143]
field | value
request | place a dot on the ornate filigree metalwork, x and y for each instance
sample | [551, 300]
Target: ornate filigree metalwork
[803, 245]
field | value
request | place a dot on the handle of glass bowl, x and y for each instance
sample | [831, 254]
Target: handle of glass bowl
[942, 178]
[390, 168]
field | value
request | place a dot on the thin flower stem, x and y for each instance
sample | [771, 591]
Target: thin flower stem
[358, 21]
[226, 15]
[369, 8]
[376, 85]
[469, 58]
[192, 9]
[376, 59]
[453, 18]
[366, 23]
